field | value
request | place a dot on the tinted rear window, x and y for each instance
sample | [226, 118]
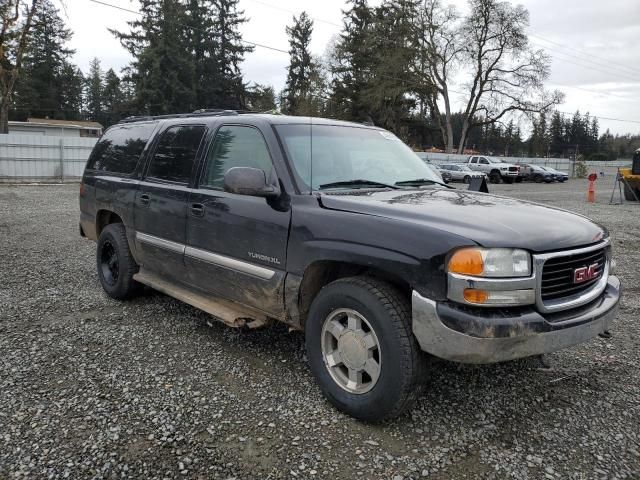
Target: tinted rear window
[119, 149]
[176, 153]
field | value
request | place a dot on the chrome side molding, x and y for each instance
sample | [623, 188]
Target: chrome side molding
[206, 256]
[230, 263]
[160, 242]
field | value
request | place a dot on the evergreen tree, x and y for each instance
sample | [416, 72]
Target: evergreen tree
[352, 61]
[163, 75]
[390, 97]
[40, 91]
[261, 98]
[71, 91]
[230, 53]
[94, 92]
[297, 95]
[557, 134]
[112, 98]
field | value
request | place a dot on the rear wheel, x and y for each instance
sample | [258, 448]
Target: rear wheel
[115, 263]
[361, 348]
[628, 193]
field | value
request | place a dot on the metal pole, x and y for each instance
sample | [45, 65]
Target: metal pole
[61, 160]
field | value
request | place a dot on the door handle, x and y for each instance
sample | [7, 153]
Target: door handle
[197, 209]
[145, 199]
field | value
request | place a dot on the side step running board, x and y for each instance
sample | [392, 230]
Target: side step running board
[228, 312]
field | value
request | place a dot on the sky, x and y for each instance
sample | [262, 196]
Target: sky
[593, 44]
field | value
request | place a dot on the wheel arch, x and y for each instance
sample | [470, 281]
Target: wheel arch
[320, 273]
[106, 217]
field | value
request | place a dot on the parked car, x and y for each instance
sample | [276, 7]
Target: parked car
[497, 170]
[443, 174]
[350, 238]
[536, 173]
[461, 172]
[557, 174]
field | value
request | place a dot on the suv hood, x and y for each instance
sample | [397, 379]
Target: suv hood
[488, 220]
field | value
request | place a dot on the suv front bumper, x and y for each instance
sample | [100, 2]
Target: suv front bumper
[467, 335]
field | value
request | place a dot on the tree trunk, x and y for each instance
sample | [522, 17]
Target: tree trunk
[4, 114]
[447, 119]
[449, 148]
[463, 136]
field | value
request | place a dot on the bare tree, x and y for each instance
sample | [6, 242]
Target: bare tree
[14, 32]
[507, 75]
[440, 49]
[489, 49]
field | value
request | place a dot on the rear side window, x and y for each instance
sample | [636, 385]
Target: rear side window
[176, 153]
[474, 160]
[119, 149]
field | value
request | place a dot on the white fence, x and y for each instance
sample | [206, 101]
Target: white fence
[562, 164]
[39, 158]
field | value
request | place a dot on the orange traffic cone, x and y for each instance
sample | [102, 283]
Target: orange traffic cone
[591, 194]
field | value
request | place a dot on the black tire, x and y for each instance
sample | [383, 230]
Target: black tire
[115, 263]
[402, 364]
[495, 177]
[508, 180]
[466, 179]
[628, 193]
[538, 178]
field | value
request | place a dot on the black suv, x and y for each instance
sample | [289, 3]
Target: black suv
[340, 230]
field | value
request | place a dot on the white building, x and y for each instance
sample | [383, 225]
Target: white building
[58, 128]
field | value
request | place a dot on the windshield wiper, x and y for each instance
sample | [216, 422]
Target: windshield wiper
[421, 181]
[356, 182]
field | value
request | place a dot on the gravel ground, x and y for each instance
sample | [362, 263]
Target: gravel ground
[92, 387]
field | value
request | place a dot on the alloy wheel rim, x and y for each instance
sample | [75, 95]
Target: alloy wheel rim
[351, 351]
[109, 263]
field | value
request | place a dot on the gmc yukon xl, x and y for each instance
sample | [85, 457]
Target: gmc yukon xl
[339, 230]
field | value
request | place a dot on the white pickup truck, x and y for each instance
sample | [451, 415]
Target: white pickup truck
[495, 169]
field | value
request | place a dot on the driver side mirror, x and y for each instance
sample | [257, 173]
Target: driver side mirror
[250, 181]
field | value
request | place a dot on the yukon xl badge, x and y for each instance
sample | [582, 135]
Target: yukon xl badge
[584, 274]
[264, 258]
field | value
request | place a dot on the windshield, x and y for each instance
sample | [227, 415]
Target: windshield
[343, 153]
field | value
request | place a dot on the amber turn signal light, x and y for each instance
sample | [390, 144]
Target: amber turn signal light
[473, 295]
[467, 261]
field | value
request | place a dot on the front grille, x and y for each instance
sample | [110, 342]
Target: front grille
[513, 169]
[558, 274]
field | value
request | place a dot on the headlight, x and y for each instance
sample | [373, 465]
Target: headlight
[490, 262]
[504, 168]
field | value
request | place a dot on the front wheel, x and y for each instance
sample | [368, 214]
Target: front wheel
[361, 348]
[466, 179]
[629, 192]
[115, 263]
[495, 177]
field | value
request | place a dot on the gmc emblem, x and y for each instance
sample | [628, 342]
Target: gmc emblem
[584, 274]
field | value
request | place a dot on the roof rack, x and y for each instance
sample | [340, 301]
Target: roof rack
[203, 112]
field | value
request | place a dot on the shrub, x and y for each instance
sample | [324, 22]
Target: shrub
[581, 169]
